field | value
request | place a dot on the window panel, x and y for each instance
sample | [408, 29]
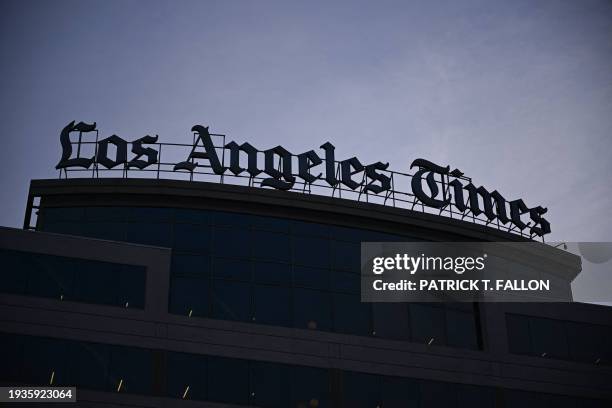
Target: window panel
[89, 364]
[271, 246]
[312, 309]
[272, 305]
[234, 269]
[310, 229]
[151, 214]
[44, 361]
[232, 243]
[350, 315]
[116, 214]
[96, 282]
[183, 371]
[131, 287]
[192, 238]
[519, 338]
[155, 234]
[191, 216]
[584, 341]
[345, 282]
[315, 278]
[11, 355]
[270, 384]
[361, 390]
[461, 329]
[548, 337]
[190, 265]
[13, 272]
[313, 252]
[228, 380]
[131, 370]
[51, 214]
[189, 296]
[438, 394]
[310, 386]
[391, 320]
[49, 276]
[346, 256]
[272, 272]
[232, 301]
[400, 392]
[270, 224]
[427, 324]
[475, 396]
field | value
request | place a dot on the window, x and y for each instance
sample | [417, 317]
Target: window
[272, 305]
[400, 392]
[315, 278]
[232, 243]
[89, 365]
[461, 329]
[235, 269]
[311, 252]
[427, 324]
[131, 370]
[350, 315]
[228, 380]
[270, 384]
[312, 309]
[11, 355]
[361, 390]
[45, 361]
[271, 246]
[309, 386]
[391, 320]
[271, 272]
[186, 376]
[189, 296]
[150, 233]
[192, 238]
[519, 339]
[548, 337]
[232, 300]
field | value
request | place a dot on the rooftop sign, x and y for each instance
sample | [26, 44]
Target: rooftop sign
[431, 188]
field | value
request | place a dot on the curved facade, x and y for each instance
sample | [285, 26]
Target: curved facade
[171, 291]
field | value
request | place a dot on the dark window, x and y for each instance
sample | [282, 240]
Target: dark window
[310, 387]
[14, 274]
[272, 305]
[232, 243]
[150, 233]
[270, 384]
[151, 214]
[311, 252]
[351, 315]
[45, 361]
[189, 296]
[548, 337]
[391, 320]
[346, 256]
[519, 339]
[461, 329]
[232, 300]
[312, 309]
[427, 324]
[315, 278]
[96, 282]
[89, 364]
[186, 376]
[361, 390]
[235, 269]
[11, 355]
[270, 224]
[271, 246]
[438, 394]
[228, 380]
[310, 229]
[190, 265]
[400, 392]
[345, 282]
[192, 238]
[474, 396]
[131, 370]
[271, 272]
[191, 216]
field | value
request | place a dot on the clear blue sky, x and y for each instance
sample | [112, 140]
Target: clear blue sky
[517, 94]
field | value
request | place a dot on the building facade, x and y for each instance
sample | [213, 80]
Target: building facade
[167, 293]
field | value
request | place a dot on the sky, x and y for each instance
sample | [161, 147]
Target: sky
[516, 94]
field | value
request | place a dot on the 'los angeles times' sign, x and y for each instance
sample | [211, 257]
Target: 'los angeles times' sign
[279, 172]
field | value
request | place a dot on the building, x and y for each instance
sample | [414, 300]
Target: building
[171, 293]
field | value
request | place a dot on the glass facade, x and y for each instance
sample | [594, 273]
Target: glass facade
[560, 339]
[269, 271]
[112, 368]
[72, 279]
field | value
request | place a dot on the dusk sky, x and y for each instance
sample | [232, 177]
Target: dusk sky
[516, 94]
